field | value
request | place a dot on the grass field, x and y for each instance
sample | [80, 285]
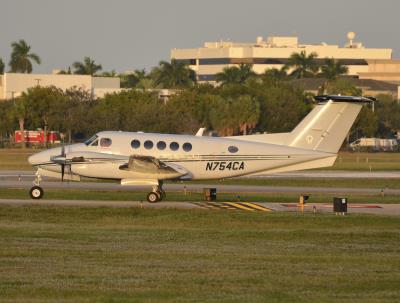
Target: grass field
[367, 161]
[55, 254]
[17, 159]
[309, 182]
[70, 194]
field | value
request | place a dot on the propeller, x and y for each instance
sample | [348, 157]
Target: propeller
[63, 164]
[61, 160]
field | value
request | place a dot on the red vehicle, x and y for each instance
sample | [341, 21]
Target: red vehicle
[36, 136]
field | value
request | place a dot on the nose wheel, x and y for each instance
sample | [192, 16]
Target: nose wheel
[36, 192]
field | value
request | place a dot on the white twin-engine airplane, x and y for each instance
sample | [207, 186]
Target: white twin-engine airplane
[137, 158]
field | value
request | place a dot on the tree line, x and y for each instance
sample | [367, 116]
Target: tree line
[262, 104]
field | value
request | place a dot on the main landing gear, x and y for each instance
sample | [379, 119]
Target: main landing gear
[157, 194]
[36, 192]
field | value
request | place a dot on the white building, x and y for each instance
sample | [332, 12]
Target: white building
[274, 52]
[13, 84]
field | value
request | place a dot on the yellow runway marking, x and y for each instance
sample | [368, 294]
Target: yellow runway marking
[237, 205]
[247, 206]
[213, 205]
[220, 205]
[256, 206]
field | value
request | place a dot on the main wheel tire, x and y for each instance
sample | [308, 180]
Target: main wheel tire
[163, 194]
[153, 197]
[36, 192]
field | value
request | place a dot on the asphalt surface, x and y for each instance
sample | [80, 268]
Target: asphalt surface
[376, 209]
[23, 179]
[199, 188]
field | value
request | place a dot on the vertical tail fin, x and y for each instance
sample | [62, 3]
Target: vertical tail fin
[326, 126]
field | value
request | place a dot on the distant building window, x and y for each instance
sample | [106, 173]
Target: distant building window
[206, 77]
[105, 142]
[161, 145]
[148, 144]
[187, 61]
[270, 61]
[174, 146]
[214, 61]
[233, 149]
[135, 143]
[187, 147]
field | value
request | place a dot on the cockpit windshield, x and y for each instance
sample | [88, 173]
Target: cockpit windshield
[91, 140]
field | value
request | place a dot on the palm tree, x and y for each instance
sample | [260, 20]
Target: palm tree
[278, 74]
[332, 69]
[245, 72]
[1, 67]
[303, 65]
[87, 67]
[132, 79]
[20, 113]
[140, 74]
[173, 75]
[229, 75]
[113, 73]
[65, 72]
[21, 57]
[235, 74]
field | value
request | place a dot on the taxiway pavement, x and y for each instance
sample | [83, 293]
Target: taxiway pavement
[376, 209]
[199, 187]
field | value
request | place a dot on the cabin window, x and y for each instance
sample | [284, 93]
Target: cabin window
[161, 145]
[91, 140]
[135, 143]
[105, 142]
[148, 144]
[233, 149]
[95, 143]
[187, 147]
[174, 146]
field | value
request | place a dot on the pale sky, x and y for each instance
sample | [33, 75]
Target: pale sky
[126, 35]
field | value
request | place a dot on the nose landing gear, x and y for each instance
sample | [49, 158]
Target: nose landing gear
[36, 192]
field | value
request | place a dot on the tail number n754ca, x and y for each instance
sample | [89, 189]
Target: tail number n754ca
[224, 165]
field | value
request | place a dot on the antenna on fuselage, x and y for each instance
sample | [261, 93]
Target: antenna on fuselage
[200, 132]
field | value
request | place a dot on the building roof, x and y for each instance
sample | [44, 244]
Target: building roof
[313, 84]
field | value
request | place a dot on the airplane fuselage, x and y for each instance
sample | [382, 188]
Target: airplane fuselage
[199, 157]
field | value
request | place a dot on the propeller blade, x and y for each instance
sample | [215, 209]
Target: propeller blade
[62, 172]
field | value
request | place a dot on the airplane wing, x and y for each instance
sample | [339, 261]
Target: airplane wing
[152, 168]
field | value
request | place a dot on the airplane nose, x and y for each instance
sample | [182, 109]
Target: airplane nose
[35, 159]
[43, 157]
